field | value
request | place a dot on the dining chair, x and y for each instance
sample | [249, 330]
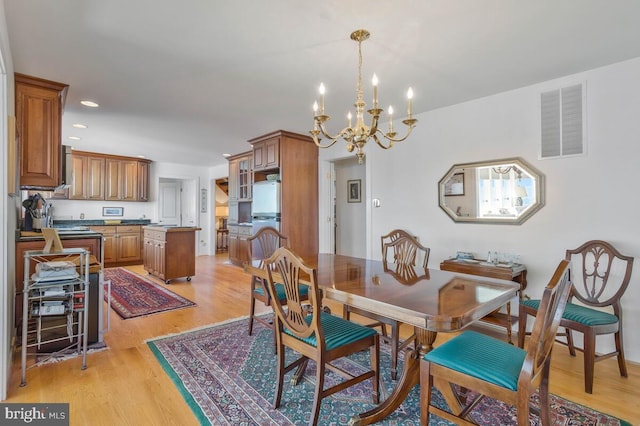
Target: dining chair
[601, 276]
[401, 248]
[261, 246]
[481, 365]
[315, 334]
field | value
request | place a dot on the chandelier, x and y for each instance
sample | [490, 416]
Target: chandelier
[358, 135]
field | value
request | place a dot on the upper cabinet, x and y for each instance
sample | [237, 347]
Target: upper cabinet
[87, 178]
[266, 154]
[122, 180]
[39, 105]
[240, 177]
[108, 177]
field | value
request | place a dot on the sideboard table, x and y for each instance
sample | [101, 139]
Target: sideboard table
[514, 272]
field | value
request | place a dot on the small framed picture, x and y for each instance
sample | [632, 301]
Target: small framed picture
[455, 185]
[354, 191]
[113, 211]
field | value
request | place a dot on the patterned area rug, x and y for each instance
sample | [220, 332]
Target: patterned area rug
[133, 295]
[228, 378]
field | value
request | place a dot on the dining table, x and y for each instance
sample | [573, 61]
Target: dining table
[430, 300]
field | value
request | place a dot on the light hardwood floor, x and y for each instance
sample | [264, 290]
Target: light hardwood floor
[125, 385]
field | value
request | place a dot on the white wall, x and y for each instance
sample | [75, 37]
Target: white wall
[587, 197]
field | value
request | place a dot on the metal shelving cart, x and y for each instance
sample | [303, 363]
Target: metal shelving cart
[55, 304]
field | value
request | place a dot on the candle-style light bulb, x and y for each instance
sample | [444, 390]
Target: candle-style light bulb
[349, 118]
[321, 90]
[374, 82]
[390, 119]
[315, 114]
[410, 97]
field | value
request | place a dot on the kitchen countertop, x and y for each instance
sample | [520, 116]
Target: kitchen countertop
[172, 228]
[68, 235]
[99, 222]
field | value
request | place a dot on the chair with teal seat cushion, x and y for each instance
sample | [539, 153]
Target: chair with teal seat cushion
[601, 276]
[314, 334]
[486, 366]
[260, 246]
[403, 250]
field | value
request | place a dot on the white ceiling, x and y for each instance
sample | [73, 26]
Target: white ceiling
[186, 81]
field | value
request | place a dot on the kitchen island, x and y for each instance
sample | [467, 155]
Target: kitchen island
[169, 251]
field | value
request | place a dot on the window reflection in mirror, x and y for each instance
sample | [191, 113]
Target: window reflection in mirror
[503, 191]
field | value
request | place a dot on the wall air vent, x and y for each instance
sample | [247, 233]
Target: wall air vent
[562, 121]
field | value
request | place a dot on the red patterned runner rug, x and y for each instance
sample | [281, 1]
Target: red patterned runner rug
[133, 295]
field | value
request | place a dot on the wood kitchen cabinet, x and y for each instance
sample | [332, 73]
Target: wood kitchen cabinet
[39, 106]
[238, 244]
[240, 177]
[87, 181]
[266, 154]
[99, 176]
[121, 180]
[143, 181]
[169, 252]
[122, 244]
[295, 158]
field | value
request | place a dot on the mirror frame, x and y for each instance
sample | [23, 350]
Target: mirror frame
[458, 168]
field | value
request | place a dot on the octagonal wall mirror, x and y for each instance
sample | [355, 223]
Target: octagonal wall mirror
[507, 191]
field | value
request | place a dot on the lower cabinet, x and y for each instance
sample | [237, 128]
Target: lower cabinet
[238, 245]
[170, 252]
[122, 244]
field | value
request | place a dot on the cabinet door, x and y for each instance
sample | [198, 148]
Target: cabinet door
[110, 249]
[143, 181]
[129, 182]
[245, 179]
[112, 179]
[94, 180]
[272, 152]
[79, 165]
[233, 248]
[128, 247]
[38, 117]
[87, 181]
[121, 180]
[159, 260]
[148, 255]
[259, 156]
[234, 175]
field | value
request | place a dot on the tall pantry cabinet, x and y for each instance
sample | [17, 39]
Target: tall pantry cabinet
[295, 158]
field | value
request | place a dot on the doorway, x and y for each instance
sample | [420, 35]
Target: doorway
[349, 208]
[177, 202]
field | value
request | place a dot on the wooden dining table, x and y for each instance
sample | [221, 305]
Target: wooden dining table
[430, 300]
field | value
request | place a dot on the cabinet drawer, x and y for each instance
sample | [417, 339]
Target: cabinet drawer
[104, 230]
[154, 235]
[128, 229]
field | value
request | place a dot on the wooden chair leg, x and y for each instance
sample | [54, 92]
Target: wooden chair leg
[570, 345]
[522, 326]
[280, 376]
[317, 397]
[545, 407]
[589, 360]
[622, 364]
[252, 312]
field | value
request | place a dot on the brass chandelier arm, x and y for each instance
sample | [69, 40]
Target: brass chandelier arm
[391, 136]
[345, 134]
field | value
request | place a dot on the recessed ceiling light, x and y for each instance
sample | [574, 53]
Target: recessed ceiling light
[90, 104]
[226, 155]
[74, 138]
[79, 126]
